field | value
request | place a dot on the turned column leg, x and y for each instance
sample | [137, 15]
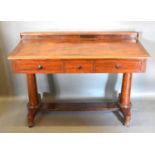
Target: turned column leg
[125, 103]
[33, 104]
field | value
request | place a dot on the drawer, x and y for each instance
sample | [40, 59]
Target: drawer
[78, 66]
[37, 66]
[117, 66]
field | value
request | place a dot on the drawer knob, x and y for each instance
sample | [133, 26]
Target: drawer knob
[40, 67]
[79, 66]
[117, 66]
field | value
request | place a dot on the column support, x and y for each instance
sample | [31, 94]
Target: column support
[33, 104]
[125, 102]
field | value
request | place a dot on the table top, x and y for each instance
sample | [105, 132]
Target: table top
[79, 45]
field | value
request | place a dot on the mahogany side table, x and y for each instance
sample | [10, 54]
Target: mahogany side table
[79, 52]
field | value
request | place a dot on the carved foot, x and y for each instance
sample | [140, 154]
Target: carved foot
[30, 124]
[127, 120]
[127, 116]
[31, 116]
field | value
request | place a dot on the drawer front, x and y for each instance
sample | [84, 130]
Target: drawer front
[37, 66]
[118, 66]
[78, 66]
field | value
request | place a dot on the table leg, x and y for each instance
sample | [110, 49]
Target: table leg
[33, 104]
[125, 103]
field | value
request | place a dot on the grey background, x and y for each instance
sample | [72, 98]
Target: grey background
[76, 86]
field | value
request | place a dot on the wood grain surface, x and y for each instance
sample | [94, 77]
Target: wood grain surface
[118, 45]
[79, 52]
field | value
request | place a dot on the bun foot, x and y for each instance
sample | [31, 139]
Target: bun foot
[127, 124]
[31, 117]
[30, 124]
[127, 121]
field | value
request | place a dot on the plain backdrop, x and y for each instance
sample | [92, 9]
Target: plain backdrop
[66, 11]
[76, 86]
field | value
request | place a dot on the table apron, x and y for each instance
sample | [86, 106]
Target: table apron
[78, 66]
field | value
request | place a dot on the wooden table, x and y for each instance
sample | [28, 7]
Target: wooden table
[79, 52]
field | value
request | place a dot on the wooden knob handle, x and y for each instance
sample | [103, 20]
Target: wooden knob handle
[117, 66]
[40, 67]
[79, 66]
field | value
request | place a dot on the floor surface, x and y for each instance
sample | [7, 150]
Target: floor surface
[13, 119]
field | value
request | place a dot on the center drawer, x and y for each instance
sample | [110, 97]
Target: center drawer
[78, 66]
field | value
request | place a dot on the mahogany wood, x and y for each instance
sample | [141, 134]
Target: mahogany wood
[37, 66]
[33, 104]
[81, 36]
[118, 66]
[79, 66]
[79, 52]
[60, 47]
[125, 103]
[107, 106]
